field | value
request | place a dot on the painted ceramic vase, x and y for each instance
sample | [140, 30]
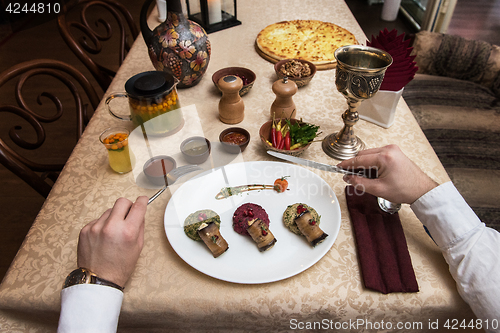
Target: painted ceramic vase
[177, 46]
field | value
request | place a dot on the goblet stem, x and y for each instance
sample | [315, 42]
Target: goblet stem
[350, 118]
[345, 144]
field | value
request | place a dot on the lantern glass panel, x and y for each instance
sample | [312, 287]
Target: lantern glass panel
[213, 15]
[228, 9]
[194, 6]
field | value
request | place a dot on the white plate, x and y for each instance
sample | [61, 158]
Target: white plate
[242, 262]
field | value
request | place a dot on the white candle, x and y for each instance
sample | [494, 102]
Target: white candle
[161, 5]
[214, 11]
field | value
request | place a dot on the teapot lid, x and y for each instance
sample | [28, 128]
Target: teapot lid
[149, 84]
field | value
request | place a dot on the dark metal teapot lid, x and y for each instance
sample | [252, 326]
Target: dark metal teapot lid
[149, 84]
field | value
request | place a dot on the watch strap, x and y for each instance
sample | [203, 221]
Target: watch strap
[94, 279]
[84, 276]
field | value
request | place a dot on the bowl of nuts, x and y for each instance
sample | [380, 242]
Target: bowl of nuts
[299, 71]
[246, 75]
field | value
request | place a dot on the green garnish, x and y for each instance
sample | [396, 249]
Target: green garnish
[302, 133]
[226, 192]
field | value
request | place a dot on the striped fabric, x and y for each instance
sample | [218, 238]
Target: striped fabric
[456, 100]
[461, 120]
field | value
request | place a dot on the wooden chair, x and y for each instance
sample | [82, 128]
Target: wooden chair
[17, 141]
[84, 40]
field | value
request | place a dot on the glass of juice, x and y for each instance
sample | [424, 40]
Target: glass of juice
[115, 140]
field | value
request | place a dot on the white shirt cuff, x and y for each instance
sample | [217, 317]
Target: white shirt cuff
[446, 214]
[90, 308]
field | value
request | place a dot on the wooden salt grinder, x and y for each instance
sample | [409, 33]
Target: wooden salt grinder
[283, 106]
[231, 107]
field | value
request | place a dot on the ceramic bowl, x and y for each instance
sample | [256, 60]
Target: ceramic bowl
[155, 170]
[231, 147]
[243, 73]
[195, 149]
[265, 138]
[299, 81]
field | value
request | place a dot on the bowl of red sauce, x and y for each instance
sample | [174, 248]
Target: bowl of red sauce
[247, 76]
[156, 168]
[234, 139]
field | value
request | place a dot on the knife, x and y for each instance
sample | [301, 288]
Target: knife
[363, 172]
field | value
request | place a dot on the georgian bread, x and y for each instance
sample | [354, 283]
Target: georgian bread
[310, 40]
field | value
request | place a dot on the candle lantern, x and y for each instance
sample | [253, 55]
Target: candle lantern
[213, 15]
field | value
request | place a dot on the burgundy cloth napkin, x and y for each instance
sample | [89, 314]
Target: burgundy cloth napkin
[403, 67]
[383, 254]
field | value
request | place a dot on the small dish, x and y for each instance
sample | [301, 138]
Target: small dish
[234, 139]
[195, 149]
[265, 138]
[245, 74]
[157, 167]
[299, 81]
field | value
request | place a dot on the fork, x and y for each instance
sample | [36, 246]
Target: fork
[173, 176]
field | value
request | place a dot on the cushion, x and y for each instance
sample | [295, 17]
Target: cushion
[456, 57]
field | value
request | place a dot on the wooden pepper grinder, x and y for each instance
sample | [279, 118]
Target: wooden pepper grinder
[283, 106]
[231, 107]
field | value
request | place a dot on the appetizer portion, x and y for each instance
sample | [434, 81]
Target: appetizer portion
[248, 212]
[290, 214]
[194, 220]
[261, 234]
[302, 219]
[280, 185]
[210, 235]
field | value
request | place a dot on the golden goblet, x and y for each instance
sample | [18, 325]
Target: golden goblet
[359, 74]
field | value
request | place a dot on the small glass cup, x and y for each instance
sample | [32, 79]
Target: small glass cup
[115, 139]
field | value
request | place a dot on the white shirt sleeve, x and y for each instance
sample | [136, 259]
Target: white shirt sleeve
[471, 249]
[90, 308]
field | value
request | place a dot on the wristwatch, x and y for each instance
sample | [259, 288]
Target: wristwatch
[85, 276]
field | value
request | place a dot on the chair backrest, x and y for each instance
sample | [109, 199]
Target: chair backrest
[18, 141]
[76, 22]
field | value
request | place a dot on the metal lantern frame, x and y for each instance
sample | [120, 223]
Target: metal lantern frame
[202, 18]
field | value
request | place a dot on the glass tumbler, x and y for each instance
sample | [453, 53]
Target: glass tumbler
[115, 139]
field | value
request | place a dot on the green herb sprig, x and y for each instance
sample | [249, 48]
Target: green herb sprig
[302, 133]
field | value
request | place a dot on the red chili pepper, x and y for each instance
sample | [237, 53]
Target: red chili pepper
[282, 143]
[287, 140]
[279, 138]
[273, 135]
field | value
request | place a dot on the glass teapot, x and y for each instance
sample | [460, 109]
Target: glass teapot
[153, 102]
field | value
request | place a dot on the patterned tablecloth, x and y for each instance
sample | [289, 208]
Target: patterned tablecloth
[165, 292]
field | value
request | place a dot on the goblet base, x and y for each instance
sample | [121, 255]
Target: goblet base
[387, 206]
[341, 151]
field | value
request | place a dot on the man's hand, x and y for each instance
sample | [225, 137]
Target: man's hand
[399, 179]
[110, 246]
